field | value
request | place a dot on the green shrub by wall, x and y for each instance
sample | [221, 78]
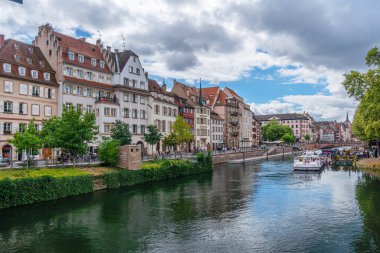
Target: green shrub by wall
[168, 169]
[31, 190]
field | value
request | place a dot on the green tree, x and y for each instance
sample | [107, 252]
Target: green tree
[273, 131]
[182, 132]
[109, 151]
[288, 138]
[28, 140]
[121, 133]
[307, 137]
[170, 141]
[365, 87]
[71, 132]
[153, 136]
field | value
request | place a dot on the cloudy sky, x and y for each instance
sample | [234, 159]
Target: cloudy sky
[281, 56]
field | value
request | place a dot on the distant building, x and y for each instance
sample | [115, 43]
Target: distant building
[217, 131]
[299, 123]
[256, 132]
[28, 90]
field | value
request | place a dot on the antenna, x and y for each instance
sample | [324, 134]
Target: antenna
[123, 41]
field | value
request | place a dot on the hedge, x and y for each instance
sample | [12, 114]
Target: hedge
[167, 169]
[31, 190]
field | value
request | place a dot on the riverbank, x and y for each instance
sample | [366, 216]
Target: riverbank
[369, 163]
[24, 187]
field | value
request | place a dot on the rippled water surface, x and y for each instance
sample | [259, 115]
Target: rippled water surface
[259, 207]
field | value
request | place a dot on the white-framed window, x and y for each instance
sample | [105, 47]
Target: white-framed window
[108, 128]
[107, 111]
[23, 108]
[93, 62]
[142, 114]
[23, 89]
[35, 110]
[36, 91]
[89, 108]
[47, 76]
[79, 91]
[134, 129]
[17, 57]
[142, 85]
[68, 89]
[80, 58]
[102, 64]
[21, 127]
[134, 113]
[113, 112]
[34, 73]
[79, 73]
[7, 67]
[70, 55]
[130, 69]
[134, 98]
[7, 128]
[88, 76]
[142, 129]
[69, 71]
[126, 112]
[8, 107]
[48, 111]
[68, 105]
[125, 97]
[137, 71]
[48, 93]
[21, 71]
[8, 86]
[126, 81]
[88, 92]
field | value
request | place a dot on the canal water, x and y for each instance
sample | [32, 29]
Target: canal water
[257, 207]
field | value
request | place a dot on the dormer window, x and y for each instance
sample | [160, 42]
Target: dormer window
[93, 62]
[16, 46]
[42, 63]
[101, 63]
[21, 71]
[7, 67]
[70, 55]
[88, 75]
[17, 57]
[34, 73]
[47, 76]
[29, 60]
[31, 50]
[80, 58]
[134, 58]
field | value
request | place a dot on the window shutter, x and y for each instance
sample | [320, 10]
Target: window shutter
[1, 106]
[41, 92]
[52, 93]
[16, 108]
[75, 90]
[14, 128]
[25, 108]
[46, 92]
[6, 86]
[94, 93]
[1, 127]
[10, 86]
[30, 90]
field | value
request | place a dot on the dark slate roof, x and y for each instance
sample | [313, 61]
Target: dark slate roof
[285, 116]
[124, 57]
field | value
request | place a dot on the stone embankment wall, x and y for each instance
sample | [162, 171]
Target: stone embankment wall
[226, 157]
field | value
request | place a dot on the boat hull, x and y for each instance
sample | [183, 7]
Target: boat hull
[313, 168]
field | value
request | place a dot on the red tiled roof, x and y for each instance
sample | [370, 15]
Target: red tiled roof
[221, 98]
[210, 93]
[233, 93]
[87, 82]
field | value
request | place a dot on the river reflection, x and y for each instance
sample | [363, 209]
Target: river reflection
[257, 207]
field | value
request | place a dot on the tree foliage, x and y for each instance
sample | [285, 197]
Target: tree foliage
[120, 132]
[365, 87]
[181, 131]
[170, 141]
[71, 132]
[273, 131]
[288, 138]
[109, 151]
[307, 137]
[153, 136]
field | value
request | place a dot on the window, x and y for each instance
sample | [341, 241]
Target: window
[134, 98]
[70, 55]
[107, 111]
[23, 108]
[69, 71]
[134, 113]
[17, 57]
[101, 63]
[68, 89]
[21, 127]
[126, 112]
[137, 71]
[125, 97]
[7, 67]
[142, 100]
[8, 107]
[157, 109]
[47, 76]
[29, 60]
[48, 110]
[16, 46]
[108, 128]
[142, 114]
[79, 73]
[23, 89]
[8, 86]
[68, 105]
[163, 126]
[79, 107]
[80, 58]
[88, 92]
[42, 64]
[142, 85]
[88, 75]
[35, 110]
[175, 112]
[93, 62]
[113, 112]
[134, 83]
[142, 129]
[126, 81]
[7, 128]
[36, 91]
[88, 108]
[79, 91]
[34, 73]
[130, 69]
[21, 71]
[134, 129]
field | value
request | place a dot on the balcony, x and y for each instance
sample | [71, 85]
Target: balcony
[234, 113]
[235, 133]
[234, 123]
[113, 100]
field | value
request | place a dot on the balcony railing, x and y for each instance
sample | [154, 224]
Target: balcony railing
[234, 123]
[234, 113]
[235, 133]
[113, 100]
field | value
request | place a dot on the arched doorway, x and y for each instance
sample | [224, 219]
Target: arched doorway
[7, 152]
[142, 148]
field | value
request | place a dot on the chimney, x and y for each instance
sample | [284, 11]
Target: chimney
[83, 39]
[147, 75]
[1, 40]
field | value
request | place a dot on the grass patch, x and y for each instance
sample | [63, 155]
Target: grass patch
[33, 173]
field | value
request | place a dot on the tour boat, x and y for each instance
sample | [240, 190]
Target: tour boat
[308, 161]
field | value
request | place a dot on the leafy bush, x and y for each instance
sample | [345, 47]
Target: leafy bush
[31, 190]
[109, 151]
[154, 171]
